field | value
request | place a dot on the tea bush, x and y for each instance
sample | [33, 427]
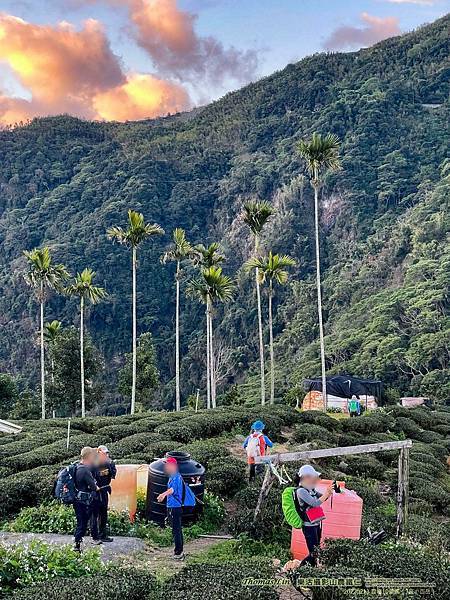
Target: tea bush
[116, 582]
[23, 565]
[391, 560]
[310, 432]
[52, 453]
[316, 417]
[204, 451]
[222, 581]
[225, 476]
[132, 444]
[26, 489]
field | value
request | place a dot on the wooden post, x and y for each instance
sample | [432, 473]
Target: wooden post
[405, 486]
[265, 489]
[400, 493]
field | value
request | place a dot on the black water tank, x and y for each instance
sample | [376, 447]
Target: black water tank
[193, 474]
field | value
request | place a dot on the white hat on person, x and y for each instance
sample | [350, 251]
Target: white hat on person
[308, 470]
[103, 449]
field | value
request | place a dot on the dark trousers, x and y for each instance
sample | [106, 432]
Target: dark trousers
[254, 470]
[99, 520]
[312, 537]
[177, 530]
[83, 513]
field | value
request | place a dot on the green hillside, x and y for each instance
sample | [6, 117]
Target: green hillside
[385, 219]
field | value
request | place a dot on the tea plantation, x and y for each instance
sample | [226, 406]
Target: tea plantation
[30, 460]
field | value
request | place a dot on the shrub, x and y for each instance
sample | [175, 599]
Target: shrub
[52, 517]
[132, 444]
[116, 582]
[373, 422]
[52, 453]
[204, 451]
[367, 489]
[270, 526]
[310, 432]
[225, 476]
[408, 426]
[431, 492]
[23, 565]
[116, 432]
[317, 417]
[220, 581]
[26, 489]
[429, 437]
[366, 465]
[25, 444]
[391, 560]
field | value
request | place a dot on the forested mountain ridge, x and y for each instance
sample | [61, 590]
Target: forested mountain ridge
[385, 218]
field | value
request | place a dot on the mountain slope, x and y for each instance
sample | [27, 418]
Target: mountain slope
[385, 217]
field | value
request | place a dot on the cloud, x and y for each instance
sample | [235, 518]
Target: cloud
[168, 35]
[142, 96]
[375, 30]
[70, 71]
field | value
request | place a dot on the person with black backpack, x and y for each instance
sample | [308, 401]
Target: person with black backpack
[86, 489]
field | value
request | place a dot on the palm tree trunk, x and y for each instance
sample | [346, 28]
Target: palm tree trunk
[83, 401]
[272, 362]
[260, 329]
[177, 341]
[319, 291]
[133, 381]
[42, 355]
[213, 366]
[208, 360]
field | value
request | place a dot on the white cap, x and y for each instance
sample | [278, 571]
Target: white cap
[308, 470]
[103, 449]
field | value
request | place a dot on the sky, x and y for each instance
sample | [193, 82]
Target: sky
[134, 59]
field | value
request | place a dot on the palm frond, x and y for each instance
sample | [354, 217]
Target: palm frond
[179, 249]
[321, 153]
[272, 267]
[137, 231]
[41, 270]
[256, 215]
[83, 287]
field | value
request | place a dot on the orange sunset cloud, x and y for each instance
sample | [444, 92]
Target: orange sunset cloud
[76, 72]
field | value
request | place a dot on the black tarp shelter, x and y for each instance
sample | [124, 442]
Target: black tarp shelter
[345, 386]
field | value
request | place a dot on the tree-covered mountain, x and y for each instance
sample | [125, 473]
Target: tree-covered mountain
[385, 220]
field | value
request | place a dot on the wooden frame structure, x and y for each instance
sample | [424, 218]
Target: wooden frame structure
[403, 471]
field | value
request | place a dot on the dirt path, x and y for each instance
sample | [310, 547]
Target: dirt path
[122, 548]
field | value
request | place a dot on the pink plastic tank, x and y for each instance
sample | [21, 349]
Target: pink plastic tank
[343, 514]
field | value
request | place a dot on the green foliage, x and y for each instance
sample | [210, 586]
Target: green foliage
[391, 560]
[385, 255]
[24, 565]
[225, 476]
[63, 391]
[147, 372]
[312, 433]
[8, 394]
[222, 581]
[116, 582]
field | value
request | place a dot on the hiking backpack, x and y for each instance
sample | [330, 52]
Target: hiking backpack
[291, 508]
[65, 489]
[253, 445]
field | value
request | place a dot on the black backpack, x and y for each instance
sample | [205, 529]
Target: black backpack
[65, 489]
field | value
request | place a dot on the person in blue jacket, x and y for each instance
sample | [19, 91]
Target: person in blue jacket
[256, 444]
[178, 494]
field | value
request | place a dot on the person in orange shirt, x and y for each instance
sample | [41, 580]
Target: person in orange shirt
[256, 444]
